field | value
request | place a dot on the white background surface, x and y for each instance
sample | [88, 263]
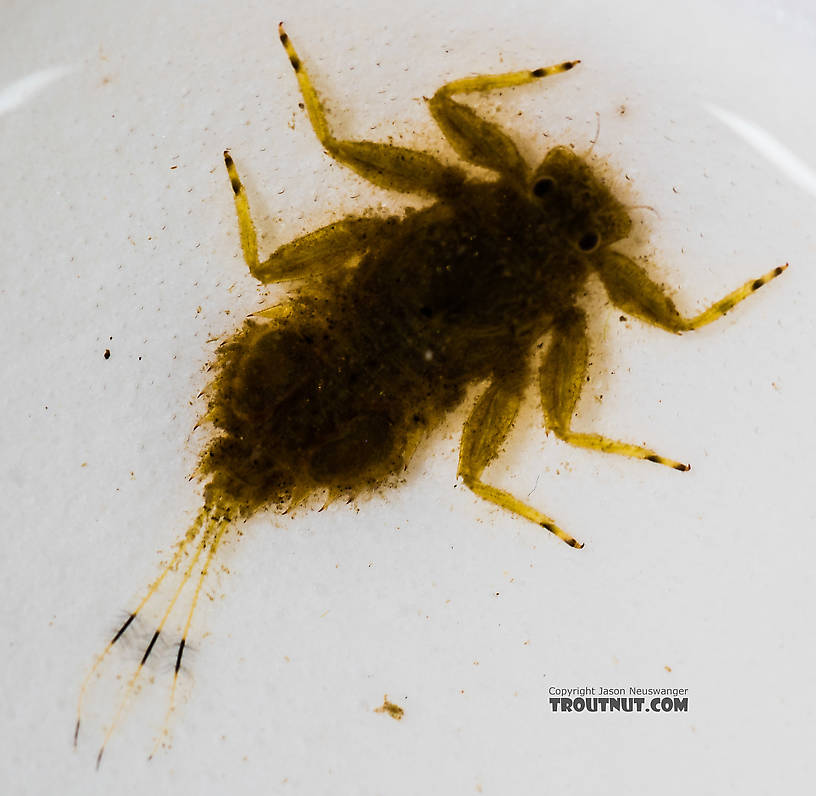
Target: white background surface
[463, 615]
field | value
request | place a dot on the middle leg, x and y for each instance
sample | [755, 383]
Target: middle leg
[561, 378]
[394, 167]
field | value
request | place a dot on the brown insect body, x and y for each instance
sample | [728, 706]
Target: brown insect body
[336, 393]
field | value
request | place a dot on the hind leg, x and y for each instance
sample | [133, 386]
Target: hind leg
[310, 255]
[484, 434]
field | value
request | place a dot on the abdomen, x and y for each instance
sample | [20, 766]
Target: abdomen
[309, 404]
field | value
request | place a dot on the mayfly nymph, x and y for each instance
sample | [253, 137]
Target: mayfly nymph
[392, 319]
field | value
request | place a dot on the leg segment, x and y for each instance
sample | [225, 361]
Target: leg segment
[310, 255]
[475, 139]
[631, 289]
[561, 378]
[394, 167]
[484, 433]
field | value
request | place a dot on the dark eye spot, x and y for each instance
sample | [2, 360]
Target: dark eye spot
[589, 241]
[544, 186]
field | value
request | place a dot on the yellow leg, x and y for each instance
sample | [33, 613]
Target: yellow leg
[561, 378]
[631, 289]
[482, 438]
[394, 167]
[474, 138]
[310, 255]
